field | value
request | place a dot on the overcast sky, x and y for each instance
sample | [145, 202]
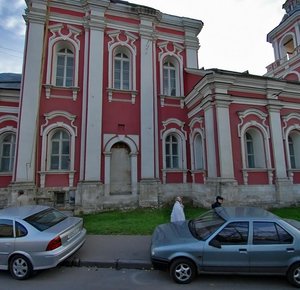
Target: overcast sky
[233, 36]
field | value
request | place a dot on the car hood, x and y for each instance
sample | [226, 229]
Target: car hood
[172, 233]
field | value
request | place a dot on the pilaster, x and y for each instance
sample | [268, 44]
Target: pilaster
[277, 140]
[36, 15]
[96, 24]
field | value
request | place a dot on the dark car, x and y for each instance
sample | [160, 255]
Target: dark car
[37, 237]
[242, 240]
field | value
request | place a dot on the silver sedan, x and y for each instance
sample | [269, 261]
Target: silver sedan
[240, 240]
[37, 237]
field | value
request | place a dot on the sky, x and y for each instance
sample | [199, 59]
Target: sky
[233, 37]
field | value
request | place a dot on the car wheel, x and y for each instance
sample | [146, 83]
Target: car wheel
[293, 275]
[20, 267]
[183, 271]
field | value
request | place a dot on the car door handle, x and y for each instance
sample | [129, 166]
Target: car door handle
[243, 251]
[290, 250]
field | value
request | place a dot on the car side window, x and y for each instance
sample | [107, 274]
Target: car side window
[235, 233]
[20, 230]
[6, 228]
[270, 233]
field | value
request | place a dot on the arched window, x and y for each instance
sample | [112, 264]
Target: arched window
[288, 46]
[8, 142]
[65, 68]
[294, 147]
[254, 149]
[172, 152]
[250, 151]
[198, 152]
[60, 150]
[121, 71]
[169, 79]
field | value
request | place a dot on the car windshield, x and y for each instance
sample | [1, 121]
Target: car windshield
[45, 219]
[205, 225]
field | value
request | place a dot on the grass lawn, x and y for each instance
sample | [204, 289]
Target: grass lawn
[143, 221]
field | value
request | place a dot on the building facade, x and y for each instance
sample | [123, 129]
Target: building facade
[115, 112]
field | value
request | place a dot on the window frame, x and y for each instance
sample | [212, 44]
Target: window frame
[169, 154]
[12, 151]
[61, 156]
[169, 79]
[257, 158]
[66, 54]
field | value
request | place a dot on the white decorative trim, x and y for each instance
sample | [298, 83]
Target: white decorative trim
[193, 133]
[286, 119]
[181, 150]
[131, 100]
[8, 118]
[129, 45]
[261, 115]
[177, 59]
[54, 114]
[57, 37]
[46, 128]
[8, 129]
[173, 121]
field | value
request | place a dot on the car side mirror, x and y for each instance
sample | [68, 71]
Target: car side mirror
[215, 243]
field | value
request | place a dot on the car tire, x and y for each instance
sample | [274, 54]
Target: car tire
[293, 275]
[183, 270]
[20, 267]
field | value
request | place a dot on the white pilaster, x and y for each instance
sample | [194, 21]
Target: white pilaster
[147, 102]
[224, 140]
[277, 140]
[30, 95]
[210, 141]
[93, 148]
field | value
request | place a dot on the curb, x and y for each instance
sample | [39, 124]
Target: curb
[116, 264]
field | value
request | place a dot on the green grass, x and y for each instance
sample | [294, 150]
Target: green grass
[144, 221]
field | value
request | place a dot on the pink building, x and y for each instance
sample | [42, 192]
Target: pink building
[114, 112]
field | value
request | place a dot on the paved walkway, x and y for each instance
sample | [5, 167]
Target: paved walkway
[120, 251]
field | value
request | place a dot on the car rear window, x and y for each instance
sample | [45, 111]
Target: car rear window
[45, 219]
[205, 225]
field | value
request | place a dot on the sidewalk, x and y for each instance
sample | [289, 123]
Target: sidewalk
[120, 251]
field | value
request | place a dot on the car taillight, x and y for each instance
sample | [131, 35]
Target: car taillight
[54, 244]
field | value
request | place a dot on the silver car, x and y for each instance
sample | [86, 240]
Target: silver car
[243, 240]
[37, 237]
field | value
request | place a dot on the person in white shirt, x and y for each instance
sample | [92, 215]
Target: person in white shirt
[177, 214]
[22, 198]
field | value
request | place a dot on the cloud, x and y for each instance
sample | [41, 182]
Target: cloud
[11, 17]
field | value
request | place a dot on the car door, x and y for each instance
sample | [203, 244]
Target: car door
[272, 247]
[6, 240]
[227, 250]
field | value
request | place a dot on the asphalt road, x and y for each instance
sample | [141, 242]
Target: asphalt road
[73, 278]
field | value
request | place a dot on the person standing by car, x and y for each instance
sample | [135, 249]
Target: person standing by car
[177, 214]
[22, 198]
[218, 202]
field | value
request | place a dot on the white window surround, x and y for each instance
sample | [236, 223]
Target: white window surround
[132, 142]
[294, 132]
[265, 151]
[286, 131]
[122, 42]
[3, 132]
[181, 137]
[195, 134]
[57, 41]
[45, 132]
[176, 59]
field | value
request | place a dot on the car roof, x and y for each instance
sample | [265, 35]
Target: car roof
[229, 213]
[22, 211]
